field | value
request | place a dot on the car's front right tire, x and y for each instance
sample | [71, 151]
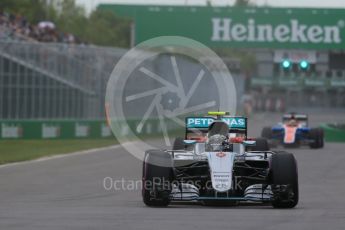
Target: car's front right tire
[317, 135]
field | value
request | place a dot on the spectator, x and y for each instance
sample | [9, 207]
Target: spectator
[17, 27]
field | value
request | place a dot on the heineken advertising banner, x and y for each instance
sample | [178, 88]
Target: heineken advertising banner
[248, 28]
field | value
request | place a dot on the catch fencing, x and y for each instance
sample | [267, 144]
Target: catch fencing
[54, 81]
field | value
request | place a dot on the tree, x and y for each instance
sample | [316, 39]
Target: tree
[102, 27]
[105, 28]
[33, 10]
[72, 18]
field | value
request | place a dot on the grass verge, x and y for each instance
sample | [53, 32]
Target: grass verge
[23, 150]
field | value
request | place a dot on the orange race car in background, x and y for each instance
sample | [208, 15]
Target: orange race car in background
[293, 131]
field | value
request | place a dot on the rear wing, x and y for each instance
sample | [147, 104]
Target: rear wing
[302, 118]
[199, 125]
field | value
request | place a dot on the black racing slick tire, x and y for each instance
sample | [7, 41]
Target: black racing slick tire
[322, 138]
[260, 145]
[316, 135]
[266, 132]
[157, 178]
[284, 180]
[179, 144]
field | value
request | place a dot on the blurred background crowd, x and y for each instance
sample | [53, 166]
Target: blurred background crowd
[17, 26]
[61, 21]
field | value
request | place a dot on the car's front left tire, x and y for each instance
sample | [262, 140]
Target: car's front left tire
[157, 178]
[284, 180]
[179, 144]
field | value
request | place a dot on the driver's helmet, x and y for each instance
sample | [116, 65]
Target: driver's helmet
[292, 122]
[218, 127]
[215, 143]
[218, 133]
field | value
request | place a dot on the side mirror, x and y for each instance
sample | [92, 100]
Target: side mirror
[249, 143]
[189, 142]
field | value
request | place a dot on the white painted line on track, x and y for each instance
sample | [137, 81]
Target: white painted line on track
[64, 155]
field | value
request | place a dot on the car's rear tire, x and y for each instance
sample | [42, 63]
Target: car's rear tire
[179, 144]
[260, 145]
[266, 132]
[157, 178]
[322, 138]
[317, 136]
[284, 180]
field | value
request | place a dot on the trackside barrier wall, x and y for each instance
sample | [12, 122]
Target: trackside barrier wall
[71, 129]
[334, 133]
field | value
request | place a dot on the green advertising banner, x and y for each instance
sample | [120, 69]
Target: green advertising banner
[53, 129]
[71, 129]
[247, 27]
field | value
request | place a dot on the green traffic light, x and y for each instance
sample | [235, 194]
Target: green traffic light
[304, 64]
[286, 64]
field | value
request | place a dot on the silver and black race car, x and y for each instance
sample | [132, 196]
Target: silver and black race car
[216, 164]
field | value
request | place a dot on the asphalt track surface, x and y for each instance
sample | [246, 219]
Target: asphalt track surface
[68, 193]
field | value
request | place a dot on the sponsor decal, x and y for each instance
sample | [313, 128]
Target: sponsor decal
[337, 83]
[205, 122]
[105, 130]
[220, 154]
[50, 131]
[199, 122]
[312, 82]
[82, 130]
[11, 131]
[221, 170]
[295, 56]
[294, 31]
[235, 122]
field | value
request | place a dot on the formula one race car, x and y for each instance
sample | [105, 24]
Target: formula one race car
[214, 166]
[294, 132]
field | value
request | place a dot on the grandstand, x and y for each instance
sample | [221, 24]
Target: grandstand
[40, 81]
[52, 80]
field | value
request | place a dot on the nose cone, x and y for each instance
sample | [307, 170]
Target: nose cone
[221, 165]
